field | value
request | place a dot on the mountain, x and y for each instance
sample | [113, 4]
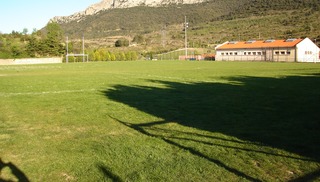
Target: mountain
[161, 22]
[119, 4]
[100, 20]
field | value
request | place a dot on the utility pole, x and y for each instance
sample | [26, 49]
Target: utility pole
[186, 25]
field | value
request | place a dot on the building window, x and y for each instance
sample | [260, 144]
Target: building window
[249, 53]
[282, 52]
[308, 52]
[276, 53]
[222, 54]
[227, 53]
[235, 53]
[254, 53]
[245, 53]
[231, 53]
[259, 53]
[288, 52]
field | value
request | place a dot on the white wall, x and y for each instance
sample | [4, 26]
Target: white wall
[30, 61]
[6, 61]
[307, 51]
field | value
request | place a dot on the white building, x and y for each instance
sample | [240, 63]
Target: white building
[290, 50]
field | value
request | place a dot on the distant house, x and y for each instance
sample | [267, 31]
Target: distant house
[290, 50]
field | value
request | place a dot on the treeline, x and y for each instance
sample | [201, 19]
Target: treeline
[105, 55]
[45, 43]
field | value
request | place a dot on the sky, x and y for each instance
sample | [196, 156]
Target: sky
[35, 14]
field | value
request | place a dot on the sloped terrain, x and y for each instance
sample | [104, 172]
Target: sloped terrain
[209, 23]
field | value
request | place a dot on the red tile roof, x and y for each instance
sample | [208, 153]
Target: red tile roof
[260, 44]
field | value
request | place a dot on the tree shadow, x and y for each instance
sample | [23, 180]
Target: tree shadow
[109, 174]
[16, 172]
[142, 130]
[277, 112]
[308, 177]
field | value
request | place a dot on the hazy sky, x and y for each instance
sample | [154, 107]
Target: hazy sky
[19, 14]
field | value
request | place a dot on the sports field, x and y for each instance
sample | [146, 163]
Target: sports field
[160, 121]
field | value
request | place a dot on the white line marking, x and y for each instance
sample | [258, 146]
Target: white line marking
[43, 93]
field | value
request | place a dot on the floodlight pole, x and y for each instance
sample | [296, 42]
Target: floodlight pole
[67, 57]
[83, 48]
[185, 36]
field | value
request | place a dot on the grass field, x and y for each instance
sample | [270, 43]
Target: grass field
[160, 121]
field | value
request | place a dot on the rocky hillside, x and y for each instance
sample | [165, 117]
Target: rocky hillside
[146, 19]
[160, 22]
[119, 4]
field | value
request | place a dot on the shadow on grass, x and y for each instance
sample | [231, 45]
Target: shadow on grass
[109, 174]
[309, 177]
[16, 172]
[281, 113]
[193, 151]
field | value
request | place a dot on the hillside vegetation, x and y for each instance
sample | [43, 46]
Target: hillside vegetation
[209, 23]
[149, 31]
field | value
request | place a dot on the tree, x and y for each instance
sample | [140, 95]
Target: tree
[91, 55]
[52, 43]
[122, 43]
[97, 56]
[32, 48]
[103, 55]
[34, 31]
[108, 56]
[128, 56]
[25, 31]
[112, 57]
[134, 56]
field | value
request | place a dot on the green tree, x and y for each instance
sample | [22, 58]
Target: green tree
[15, 51]
[103, 55]
[128, 56]
[97, 56]
[32, 48]
[134, 55]
[52, 43]
[112, 57]
[91, 56]
[122, 43]
[25, 31]
[108, 56]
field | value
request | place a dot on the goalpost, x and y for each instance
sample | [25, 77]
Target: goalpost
[84, 56]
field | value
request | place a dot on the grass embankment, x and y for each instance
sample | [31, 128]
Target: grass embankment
[160, 121]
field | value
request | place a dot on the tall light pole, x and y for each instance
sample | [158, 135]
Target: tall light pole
[186, 25]
[67, 56]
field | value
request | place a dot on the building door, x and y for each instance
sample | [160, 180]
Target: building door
[268, 54]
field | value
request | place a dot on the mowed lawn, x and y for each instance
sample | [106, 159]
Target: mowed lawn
[160, 121]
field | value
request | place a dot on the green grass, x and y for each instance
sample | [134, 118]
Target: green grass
[160, 121]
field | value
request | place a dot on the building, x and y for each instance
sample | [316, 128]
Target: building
[207, 57]
[290, 50]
